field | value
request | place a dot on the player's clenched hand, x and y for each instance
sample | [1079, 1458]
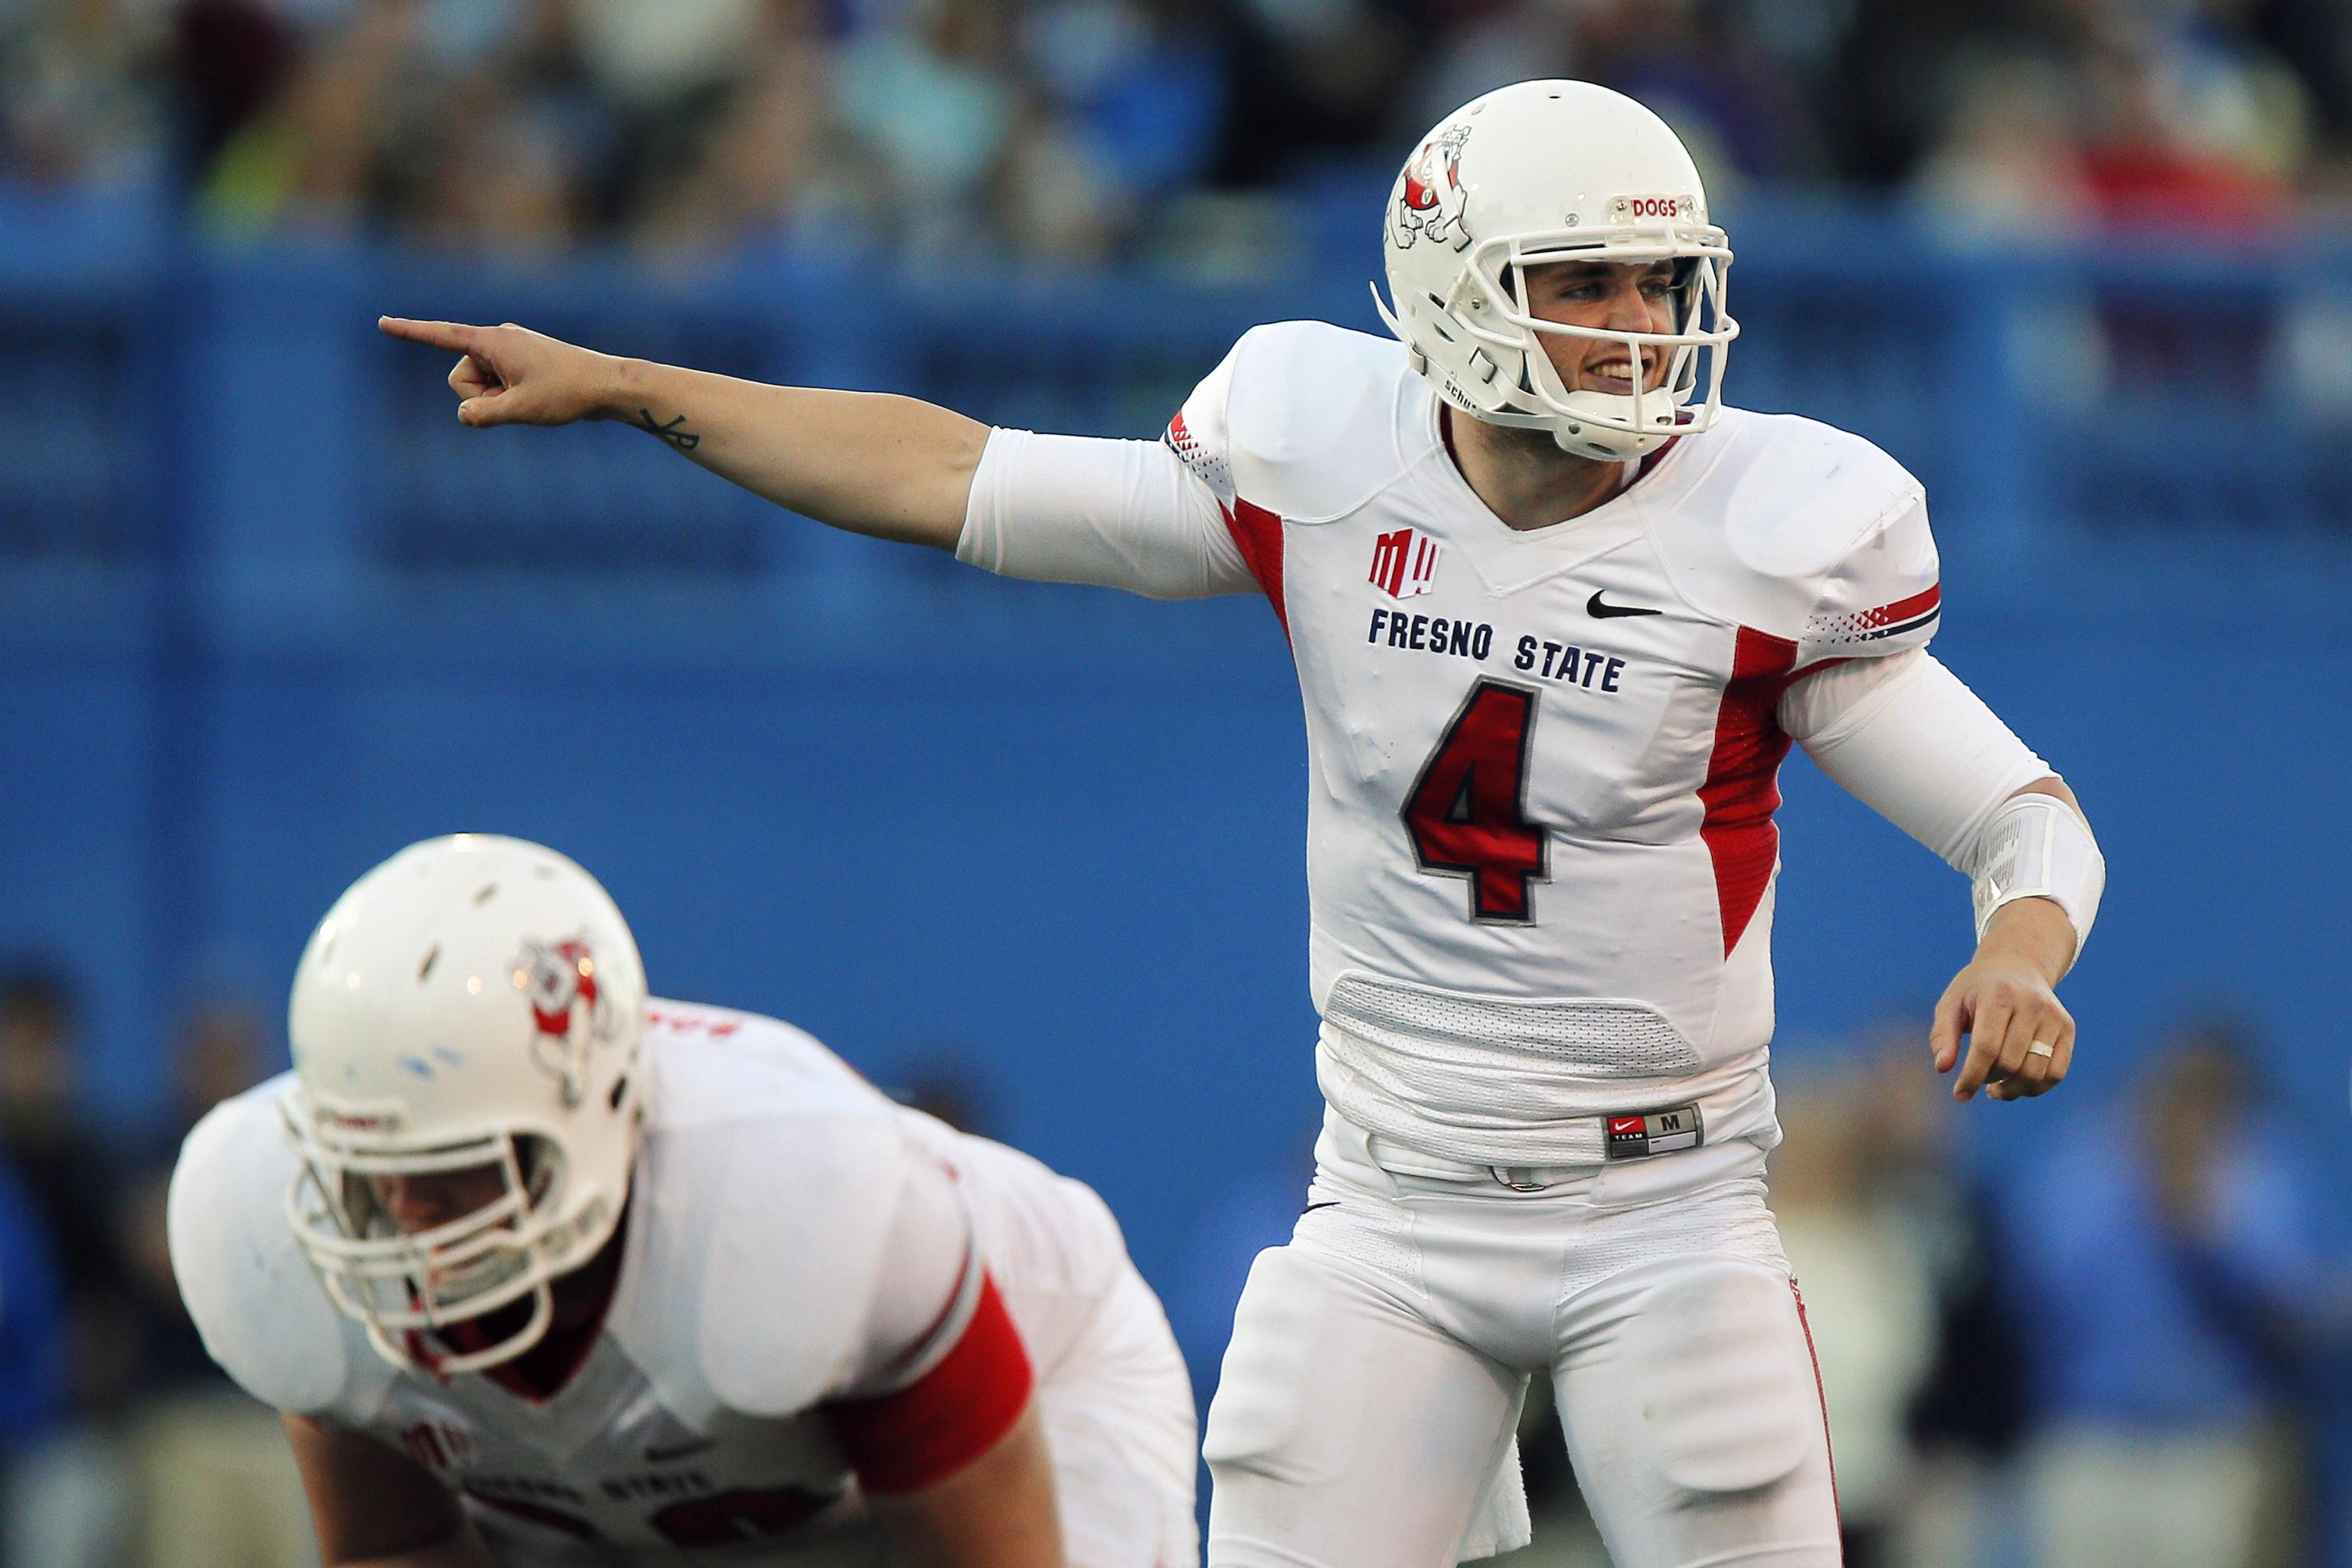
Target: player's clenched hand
[512, 375]
[2021, 1037]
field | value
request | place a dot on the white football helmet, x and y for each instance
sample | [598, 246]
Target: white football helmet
[473, 1002]
[1554, 170]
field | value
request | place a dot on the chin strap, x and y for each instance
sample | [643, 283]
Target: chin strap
[1606, 443]
[1590, 440]
[1419, 360]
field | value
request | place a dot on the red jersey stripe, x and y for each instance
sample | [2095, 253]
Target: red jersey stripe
[953, 1413]
[1813, 669]
[1742, 787]
[1904, 609]
[1820, 1391]
[1258, 533]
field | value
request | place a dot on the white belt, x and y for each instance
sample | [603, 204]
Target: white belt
[1634, 1136]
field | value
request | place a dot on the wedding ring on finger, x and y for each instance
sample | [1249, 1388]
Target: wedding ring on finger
[2040, 1048]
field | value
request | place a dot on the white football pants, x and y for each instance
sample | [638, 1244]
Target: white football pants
[1377, 1362]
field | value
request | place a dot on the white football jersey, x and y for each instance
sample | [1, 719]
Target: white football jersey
[759, 1285]
[1543, 762]
[1541, 839]
[1541, 843]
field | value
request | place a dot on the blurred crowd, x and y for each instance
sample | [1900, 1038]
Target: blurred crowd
[121, 1444]
[2123, 1350]
[1078, 131]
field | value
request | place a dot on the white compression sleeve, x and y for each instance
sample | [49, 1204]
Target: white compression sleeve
[1909, 740]
[1122, 514]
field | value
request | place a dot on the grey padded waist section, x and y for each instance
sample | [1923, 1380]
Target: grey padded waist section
[1590, 1039]
[1494, 1080]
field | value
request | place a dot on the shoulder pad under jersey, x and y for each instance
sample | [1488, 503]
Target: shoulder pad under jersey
[772, 1184]
[1806, 532]
[793, 1259]
[1303, 419]
[263, 1314]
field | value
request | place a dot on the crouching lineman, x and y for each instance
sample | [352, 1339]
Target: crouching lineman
[540, 1270]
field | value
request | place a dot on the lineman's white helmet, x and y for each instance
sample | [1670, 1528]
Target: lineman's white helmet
[473, 1001]
[1554, 170]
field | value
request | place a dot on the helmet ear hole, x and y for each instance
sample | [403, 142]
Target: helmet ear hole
[542, 1165]
[620, 1092]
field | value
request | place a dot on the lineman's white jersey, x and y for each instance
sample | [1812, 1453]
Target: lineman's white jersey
[821, 1294]
[1542, 763]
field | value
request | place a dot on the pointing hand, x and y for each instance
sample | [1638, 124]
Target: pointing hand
[511, 375]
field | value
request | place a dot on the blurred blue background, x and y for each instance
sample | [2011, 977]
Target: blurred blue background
[268, 614]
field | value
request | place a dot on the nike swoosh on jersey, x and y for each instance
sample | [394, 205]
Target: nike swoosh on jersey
[1600, 610]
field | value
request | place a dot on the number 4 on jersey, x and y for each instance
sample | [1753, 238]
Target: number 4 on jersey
[1467, 814]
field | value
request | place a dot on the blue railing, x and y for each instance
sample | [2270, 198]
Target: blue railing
[234, 411]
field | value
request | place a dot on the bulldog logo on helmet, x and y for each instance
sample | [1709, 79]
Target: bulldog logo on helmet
[1429, 203]
[557, 979]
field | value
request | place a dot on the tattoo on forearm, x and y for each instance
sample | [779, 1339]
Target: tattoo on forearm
[675, 432]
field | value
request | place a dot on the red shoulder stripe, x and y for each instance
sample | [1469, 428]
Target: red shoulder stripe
[1904, 609]
[953, 1413]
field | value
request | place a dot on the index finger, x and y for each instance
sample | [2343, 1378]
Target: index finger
[454, 335]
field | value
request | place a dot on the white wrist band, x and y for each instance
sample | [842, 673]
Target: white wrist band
[2038, 846]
